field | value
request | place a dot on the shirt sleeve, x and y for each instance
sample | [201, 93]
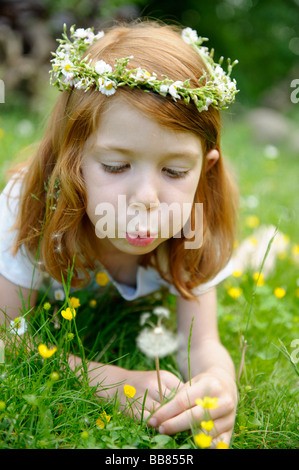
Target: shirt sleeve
[206, 286]
[17, 269]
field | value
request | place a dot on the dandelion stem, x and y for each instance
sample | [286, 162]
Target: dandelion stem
[158, 377]
[242, 359]
[189, 346]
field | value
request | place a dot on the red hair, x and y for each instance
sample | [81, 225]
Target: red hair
[160, 49]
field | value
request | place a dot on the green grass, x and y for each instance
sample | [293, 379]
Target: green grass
[42, 410]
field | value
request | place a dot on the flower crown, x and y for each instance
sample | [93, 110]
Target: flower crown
[70, 69]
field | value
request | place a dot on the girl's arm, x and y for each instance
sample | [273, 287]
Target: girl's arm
[212, 373]
[206, 351]
[109, 378]
[11, 297]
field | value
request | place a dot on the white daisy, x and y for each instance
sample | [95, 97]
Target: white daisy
[101, 67]
[18, 326]
[59, 294]
[80, 33]
[189, 35]
[173, 89]
[107, 87]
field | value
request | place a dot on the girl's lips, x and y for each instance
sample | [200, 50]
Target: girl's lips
[138, 240]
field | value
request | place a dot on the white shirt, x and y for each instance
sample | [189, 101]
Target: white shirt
[21, 271]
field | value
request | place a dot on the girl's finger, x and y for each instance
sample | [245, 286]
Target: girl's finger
[222, 441]
[191, 416]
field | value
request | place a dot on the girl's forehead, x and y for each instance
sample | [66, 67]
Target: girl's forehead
[123, 126]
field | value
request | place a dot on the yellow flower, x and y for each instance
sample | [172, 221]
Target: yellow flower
[295, 251]
[102, 420]
[234, 292]
[202, 440]
[45, 352]
[252, 221]
[129, 391]
[259, 278]
[222, 445]
[207, 402]
[279, 292]
[253, 241]
[237, 273]
[47, 306]
[102, 279]
[69, 313]
[93, 303]
[207, 425]
[74, 302]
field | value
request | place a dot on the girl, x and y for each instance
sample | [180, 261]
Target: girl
[135, 130]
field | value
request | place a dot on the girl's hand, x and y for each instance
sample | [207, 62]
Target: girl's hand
[145, 382]
[182, 413]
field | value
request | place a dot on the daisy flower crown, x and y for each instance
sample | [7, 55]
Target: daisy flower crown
[70, 69]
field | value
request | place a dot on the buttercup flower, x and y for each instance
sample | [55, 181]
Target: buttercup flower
[207, 402]
[47, 306]
[103, 420]
[92, 303]
[129, 391]
[237, 273]
[68, 313]
[279, 292]
[222, 445]
[202, 440]
[45, 352]
[234, 292]
[74, 302]
[18, 326]
[252, 221]
[295, 253]
[259, 278]
[102, 278]
[207, 425]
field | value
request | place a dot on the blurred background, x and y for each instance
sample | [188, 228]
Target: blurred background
[260, 135]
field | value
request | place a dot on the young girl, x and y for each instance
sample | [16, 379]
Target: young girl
[136, 130]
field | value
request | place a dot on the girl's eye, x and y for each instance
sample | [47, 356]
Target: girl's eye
[115, 168]
[175, 173]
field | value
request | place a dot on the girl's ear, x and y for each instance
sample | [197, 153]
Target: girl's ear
[211, 158]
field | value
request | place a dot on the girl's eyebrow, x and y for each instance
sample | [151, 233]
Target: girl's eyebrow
[186, 153]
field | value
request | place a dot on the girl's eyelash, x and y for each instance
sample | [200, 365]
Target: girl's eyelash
[119, 168]
[114, 168]
[175, 173]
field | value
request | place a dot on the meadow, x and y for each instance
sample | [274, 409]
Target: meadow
[44, 405]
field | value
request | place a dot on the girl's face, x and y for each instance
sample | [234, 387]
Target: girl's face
[140, 180]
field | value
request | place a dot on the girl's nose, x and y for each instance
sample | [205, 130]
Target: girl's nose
[144, 195]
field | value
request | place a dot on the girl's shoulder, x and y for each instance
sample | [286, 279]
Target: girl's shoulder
[16, 268]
